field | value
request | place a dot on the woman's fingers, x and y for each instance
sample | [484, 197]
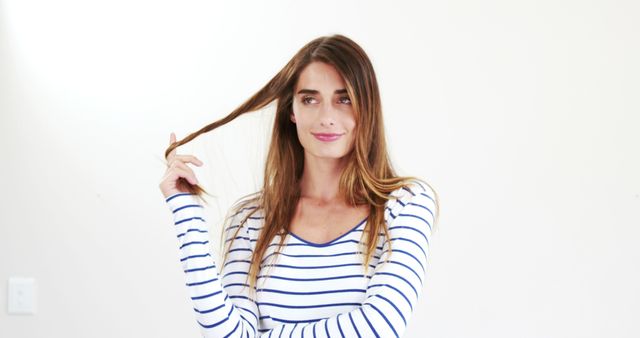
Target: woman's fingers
[184, 171]
[173, 174]
[177, 168]
[172, 140]
[185, 159]
[186, 174]
[190, 159]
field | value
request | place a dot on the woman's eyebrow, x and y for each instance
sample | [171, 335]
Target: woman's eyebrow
[313, 91]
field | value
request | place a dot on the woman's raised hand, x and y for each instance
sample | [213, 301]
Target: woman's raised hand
[177, 168]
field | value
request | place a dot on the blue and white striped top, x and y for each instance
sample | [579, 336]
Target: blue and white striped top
[313, 290]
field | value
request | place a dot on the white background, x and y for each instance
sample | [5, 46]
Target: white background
[524, 115]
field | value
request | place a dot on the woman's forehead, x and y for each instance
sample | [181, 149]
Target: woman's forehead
[320, 76]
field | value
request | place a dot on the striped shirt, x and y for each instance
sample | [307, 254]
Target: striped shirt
[312, 290]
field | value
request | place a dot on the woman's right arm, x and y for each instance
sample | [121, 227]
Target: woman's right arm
[220, 311]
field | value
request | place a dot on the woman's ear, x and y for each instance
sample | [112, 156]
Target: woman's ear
[292, 118]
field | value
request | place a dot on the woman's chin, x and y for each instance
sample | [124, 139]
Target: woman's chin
[327, 155]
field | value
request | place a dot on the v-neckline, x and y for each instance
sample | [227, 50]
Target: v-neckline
[331, 241]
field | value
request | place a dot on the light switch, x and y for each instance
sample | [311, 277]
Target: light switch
[22, 296]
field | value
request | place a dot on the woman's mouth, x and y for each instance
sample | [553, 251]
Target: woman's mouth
[327, 137]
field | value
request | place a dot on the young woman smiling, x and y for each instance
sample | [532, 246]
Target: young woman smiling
[335, 243]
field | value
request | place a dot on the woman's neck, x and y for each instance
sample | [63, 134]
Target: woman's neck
[321, 179]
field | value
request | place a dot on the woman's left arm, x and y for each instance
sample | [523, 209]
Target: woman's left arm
[396, 286]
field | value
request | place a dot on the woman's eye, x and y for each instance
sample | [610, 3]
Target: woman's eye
[345, 99]
[311, 99]
[307, 99]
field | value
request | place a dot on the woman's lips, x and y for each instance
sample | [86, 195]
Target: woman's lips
[326, 137]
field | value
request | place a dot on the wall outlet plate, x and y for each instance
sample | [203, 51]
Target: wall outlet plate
[22, 296]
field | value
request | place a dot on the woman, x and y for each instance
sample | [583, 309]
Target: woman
[335, 244]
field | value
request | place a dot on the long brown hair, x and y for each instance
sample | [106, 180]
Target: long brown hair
[368, 177]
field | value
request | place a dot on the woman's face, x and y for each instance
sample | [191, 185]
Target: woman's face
[322, 112]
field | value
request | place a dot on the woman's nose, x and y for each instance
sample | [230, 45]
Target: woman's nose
[327, 115]
[326, 123]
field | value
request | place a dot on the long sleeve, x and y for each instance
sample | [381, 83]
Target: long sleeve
[395, 286]
[220, 311]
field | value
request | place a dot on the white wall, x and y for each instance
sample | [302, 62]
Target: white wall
[522, 114]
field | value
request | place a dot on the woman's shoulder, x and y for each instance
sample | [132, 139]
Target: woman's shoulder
[244, 219]
[413, 189]
[415, 197]
[245, 206]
